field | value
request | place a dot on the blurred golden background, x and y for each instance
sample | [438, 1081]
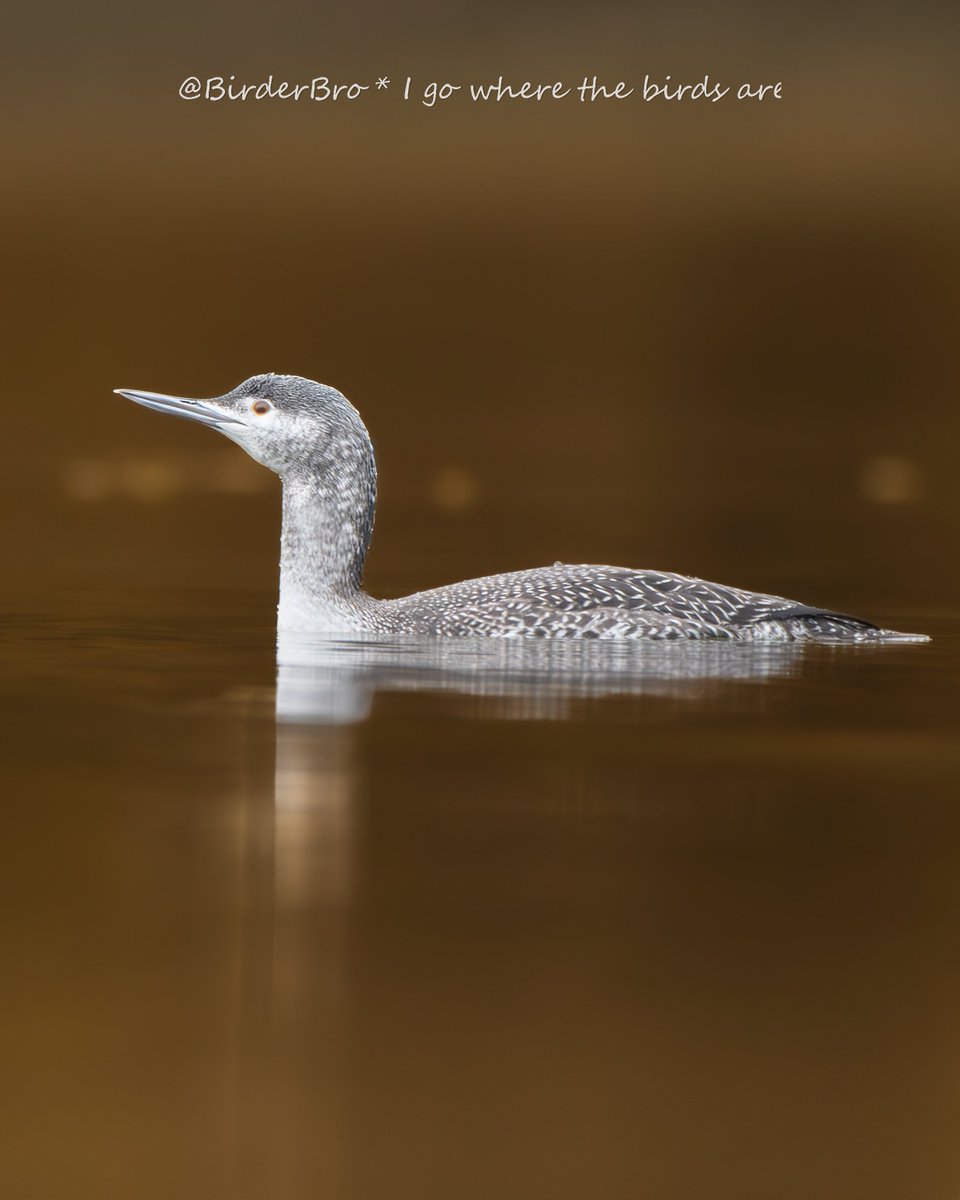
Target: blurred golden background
[719, 339]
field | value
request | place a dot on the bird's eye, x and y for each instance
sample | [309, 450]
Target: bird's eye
[261, 407]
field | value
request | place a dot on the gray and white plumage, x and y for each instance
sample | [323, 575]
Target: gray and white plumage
[314, 439]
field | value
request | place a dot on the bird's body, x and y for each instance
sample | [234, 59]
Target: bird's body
[586, 601]
[315, 440]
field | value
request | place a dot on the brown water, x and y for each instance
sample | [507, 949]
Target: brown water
[472, 930]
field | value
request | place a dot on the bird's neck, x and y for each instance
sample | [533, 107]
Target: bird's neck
[327, 522]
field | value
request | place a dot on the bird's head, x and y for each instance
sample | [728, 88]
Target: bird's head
[290, 424]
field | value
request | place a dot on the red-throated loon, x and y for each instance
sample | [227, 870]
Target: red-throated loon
[314, 439]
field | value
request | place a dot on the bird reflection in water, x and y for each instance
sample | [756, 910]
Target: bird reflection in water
[300, 1040]
[333, 682]
[300, 888]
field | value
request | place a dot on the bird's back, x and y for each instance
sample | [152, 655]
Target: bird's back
[585, 601]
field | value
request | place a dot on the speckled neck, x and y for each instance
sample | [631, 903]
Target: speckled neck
[328, 511]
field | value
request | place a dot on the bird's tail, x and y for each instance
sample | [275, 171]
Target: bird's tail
[837, 627]
[822, 625]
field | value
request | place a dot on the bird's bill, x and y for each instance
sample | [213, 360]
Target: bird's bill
[206, 412]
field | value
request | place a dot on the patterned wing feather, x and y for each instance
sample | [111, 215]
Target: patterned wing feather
[617, 602]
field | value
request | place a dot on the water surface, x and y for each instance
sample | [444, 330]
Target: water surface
[440, 921]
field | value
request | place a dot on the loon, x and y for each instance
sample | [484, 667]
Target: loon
[313, 438]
